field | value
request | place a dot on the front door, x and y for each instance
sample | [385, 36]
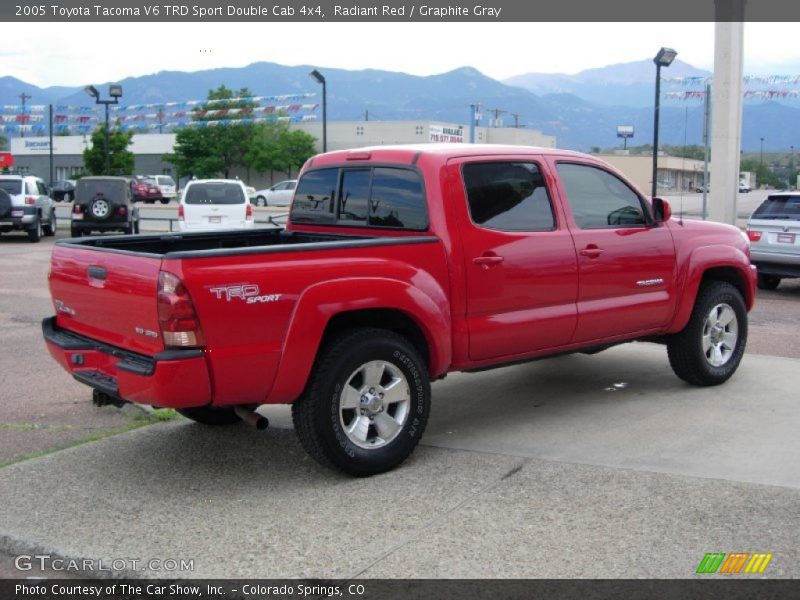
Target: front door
[626, 263]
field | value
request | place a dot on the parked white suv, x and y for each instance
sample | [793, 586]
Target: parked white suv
[25, 205]
[210, 204]
[774, 232]
[166, 185]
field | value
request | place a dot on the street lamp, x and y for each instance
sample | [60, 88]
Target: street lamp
[115, 92]
[761, 160]
[664, 58]
[320, 79]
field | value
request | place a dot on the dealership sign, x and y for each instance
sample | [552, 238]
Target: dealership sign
[6, 160]
[441, 133]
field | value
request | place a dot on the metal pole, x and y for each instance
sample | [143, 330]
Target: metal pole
[471, 123]
[51, 144]
[655, 129]
[706, 125]
[108, 150]
[324, 116]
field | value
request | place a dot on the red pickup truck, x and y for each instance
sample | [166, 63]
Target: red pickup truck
[397, 266]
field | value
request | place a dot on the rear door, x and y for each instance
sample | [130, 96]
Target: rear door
[107, 296]
[626, 264]
[519, 259]
[210, 205]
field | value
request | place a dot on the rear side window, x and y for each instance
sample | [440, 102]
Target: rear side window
[11, 186]
[215, 192]
[599, 199]
[508, 196]
[779, 207]
[384, 197]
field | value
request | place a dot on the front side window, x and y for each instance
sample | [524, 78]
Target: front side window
[508, 196]
[599, 199]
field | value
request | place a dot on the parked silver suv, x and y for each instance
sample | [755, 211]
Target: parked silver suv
[25, 205]
[774, 232]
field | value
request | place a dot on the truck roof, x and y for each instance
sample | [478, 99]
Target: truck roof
[410, 153]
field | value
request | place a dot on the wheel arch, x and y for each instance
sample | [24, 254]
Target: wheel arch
[392, 305]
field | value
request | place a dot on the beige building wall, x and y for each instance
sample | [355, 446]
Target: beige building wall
[674, 174]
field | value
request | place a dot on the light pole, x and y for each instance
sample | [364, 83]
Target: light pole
[115, 93]
[664, 58]
[320, 79]
[761, 160]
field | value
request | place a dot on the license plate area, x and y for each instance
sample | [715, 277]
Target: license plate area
[785, 238]
[215, 219]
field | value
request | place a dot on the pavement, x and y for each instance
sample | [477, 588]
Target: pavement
[599, 466]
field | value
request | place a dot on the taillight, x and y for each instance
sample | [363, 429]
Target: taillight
[177, 318]
[30, 200]
[76, 208]
[249, 214]
[180, 212]
[122, 211]
[754, 235]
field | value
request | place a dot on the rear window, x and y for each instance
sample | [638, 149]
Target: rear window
[11, 186]
[111, 189]
[216, 192]
[165, 180]
[779, 207]
[385, 197]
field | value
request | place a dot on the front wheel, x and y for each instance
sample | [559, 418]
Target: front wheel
[210, 416]
[366, 405]
[710, 347]
[35, 233]
[261, 201]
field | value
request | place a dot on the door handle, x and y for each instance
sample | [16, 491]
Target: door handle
[487, 261]
[591, 251]
[96, 273]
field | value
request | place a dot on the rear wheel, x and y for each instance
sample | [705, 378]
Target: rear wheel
[75, 232]
[768, 282]
[210, 416]
[261, 201]
[366, 404]
[710, 347]
[52, 225]
[165, 201]
[35, 232]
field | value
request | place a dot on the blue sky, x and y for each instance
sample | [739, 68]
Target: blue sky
[66, 53]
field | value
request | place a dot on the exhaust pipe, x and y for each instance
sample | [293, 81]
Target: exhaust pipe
[251, 417]
[102, 399]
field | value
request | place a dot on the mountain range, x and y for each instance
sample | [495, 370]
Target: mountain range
[581, 110]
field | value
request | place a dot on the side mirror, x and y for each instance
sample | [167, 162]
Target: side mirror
[661, 210]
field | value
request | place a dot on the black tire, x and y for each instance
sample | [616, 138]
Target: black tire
[52, 224]
[210, 416]
[319, 419]
[75, 232]
[101, 209]
[768, 282]
[5, 204]
[687, 356]
[261, 201]
[136, 226]
[165, 201]
[35, 232]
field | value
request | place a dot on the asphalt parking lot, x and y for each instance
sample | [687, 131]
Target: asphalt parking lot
[598, 466]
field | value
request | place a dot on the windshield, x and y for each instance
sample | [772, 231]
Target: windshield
[12, 186]
[216, 192]
[779, 207]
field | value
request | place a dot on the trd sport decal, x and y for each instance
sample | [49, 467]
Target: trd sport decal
[246, 292]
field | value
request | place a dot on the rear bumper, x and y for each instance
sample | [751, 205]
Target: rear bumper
[19, 217]
[170, 379]
[80, 225]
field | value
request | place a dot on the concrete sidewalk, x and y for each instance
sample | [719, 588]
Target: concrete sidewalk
[582, 466]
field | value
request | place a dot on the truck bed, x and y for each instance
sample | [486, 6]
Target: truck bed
[197, 244]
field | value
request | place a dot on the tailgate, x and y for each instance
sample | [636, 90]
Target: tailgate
[107, 296]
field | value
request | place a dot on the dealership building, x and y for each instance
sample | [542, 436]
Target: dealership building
[32, 154]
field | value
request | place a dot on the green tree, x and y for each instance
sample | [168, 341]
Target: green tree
[206, 151]
[3, 142]
[121, 160]
[294, 149]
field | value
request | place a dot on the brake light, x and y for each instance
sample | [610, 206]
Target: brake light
[122, 211]
[754, 235]
[30, 200]
[249, 214]
[77, 209]
[177, 317]
[181, 215]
